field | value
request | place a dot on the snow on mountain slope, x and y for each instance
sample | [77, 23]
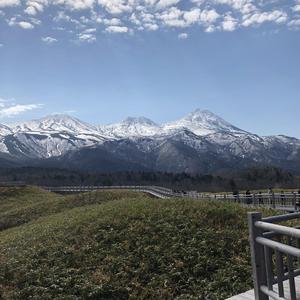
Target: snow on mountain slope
[199, 141]
[199, 122]
[45, 145]
[50, 136]
[4, 130]
[3, 147]
[131, 127]
[203, 122]
[56, 123]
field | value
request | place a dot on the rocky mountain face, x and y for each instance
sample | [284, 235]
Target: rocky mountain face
[200, 142]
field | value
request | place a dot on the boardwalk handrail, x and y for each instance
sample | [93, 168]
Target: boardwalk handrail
[288, 201]
[274, 248]
[156, 191]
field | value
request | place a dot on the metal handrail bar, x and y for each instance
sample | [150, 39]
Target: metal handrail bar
[154, 190]
[284, 230]
[271, 294]
[286, 276]
[290, 250]
[270, 234]
[281, 218]
[266, 270]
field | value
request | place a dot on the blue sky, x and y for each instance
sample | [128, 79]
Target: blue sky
[104, 60]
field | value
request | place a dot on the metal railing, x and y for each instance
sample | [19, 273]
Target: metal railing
[271, 200]
[275, 256]
[159, 192]
[289, 201]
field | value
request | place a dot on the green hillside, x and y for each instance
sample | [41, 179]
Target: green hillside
[120, 245]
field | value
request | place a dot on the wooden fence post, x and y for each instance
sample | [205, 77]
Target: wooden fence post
[257, 256]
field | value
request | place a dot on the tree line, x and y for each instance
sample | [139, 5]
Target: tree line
[253, 178]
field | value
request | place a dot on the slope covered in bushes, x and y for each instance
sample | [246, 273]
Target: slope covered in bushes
[120, 245]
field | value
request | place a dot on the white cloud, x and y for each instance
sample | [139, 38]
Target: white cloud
[183, 36]
[244, 6]
[166, 3]
[87, 37]
[49, 40]
[117, 29]
[25, 25]
[294, 24]
[122, 16]
[61, 16]
[35, 21]
[229, 23]
[11, 21]
[35, 6]
[112, 22]
[172, 17]
[30, 10]
[90, 30]
[210, 29]
[192, 16]
[175, 17]
[276, 16]
[151, 26]
[135, 20]
[75, 4]
[8, 111]
[296, 8]
[84, 20]
[1, 45]
[209, 16]
[147, 17]
[8, 3]
[6, 100]
[116, 6]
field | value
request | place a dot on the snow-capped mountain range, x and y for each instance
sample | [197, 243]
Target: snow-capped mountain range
[199, 142]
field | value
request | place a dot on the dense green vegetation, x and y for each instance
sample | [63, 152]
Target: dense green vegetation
[253, 178]
[120, 245]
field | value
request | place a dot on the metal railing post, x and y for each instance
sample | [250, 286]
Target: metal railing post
[257, 256]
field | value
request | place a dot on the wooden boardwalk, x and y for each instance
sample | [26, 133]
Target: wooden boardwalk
[249, 295]
[287, 204]
[155, 191]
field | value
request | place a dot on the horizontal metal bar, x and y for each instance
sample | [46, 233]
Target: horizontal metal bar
[270, 234]
[279, 246]
[286, 276]
[281, 218]
[271, 294]
[290, 231]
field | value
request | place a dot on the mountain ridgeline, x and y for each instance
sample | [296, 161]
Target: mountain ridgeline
[201, 142]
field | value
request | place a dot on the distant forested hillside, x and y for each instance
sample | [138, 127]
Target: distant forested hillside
[254, 178]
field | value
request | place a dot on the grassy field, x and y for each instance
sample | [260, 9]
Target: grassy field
[120, 245]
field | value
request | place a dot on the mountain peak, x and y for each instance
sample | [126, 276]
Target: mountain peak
[203, 122]
[139, 120]
[201, 114]
[56, 123]
[131, 127]
[202, 111]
